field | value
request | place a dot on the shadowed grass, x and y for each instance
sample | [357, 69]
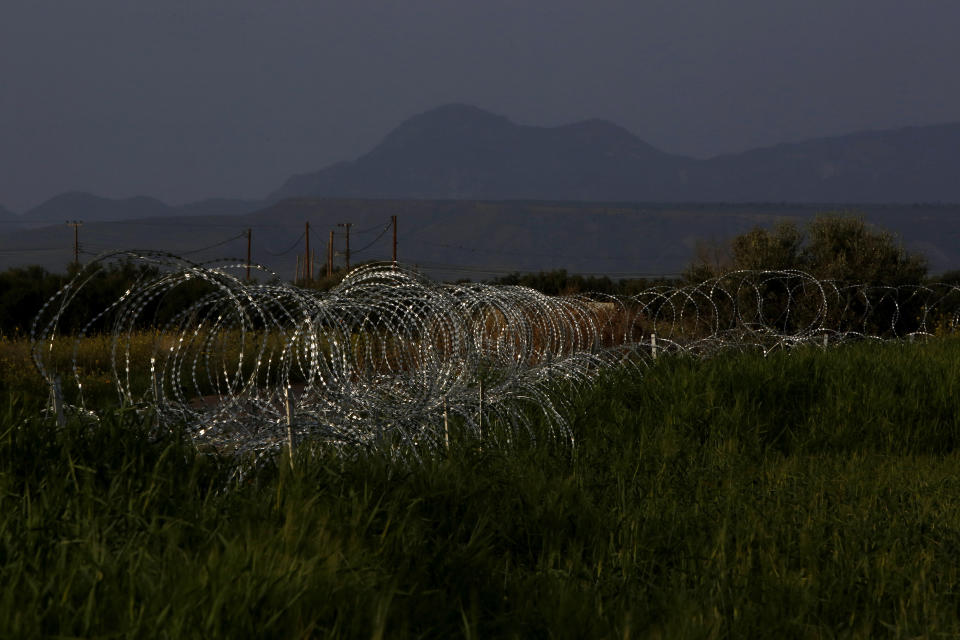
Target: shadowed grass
[807, 494]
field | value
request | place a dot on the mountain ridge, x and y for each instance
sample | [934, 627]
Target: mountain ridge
[87, 207]
[7, 216]
[463, 152]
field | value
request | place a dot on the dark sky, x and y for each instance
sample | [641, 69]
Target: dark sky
[184, 99]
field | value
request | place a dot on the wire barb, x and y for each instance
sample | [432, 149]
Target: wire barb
[388, 358]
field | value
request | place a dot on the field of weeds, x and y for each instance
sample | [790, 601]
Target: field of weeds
[809, 493]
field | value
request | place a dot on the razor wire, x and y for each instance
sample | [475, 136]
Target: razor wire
[388, 358]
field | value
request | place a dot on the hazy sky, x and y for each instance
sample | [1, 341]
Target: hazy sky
[184, 99]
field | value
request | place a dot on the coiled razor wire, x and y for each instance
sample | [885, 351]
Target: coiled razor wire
[388, 358]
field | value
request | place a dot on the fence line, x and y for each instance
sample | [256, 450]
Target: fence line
[390, 358]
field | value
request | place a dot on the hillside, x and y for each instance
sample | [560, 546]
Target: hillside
[77, 205]
[913, 164]
[478, 195]
[8, 216]
[462, 152]
[87, 207]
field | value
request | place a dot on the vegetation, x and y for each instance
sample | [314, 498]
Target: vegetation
[809, 493]
[559, 282]
[742, 496]
[23, 291]
[19, 375]
[835, 247]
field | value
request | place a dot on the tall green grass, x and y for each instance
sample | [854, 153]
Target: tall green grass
[807, 494]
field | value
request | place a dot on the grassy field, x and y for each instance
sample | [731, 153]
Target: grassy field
[808, 494]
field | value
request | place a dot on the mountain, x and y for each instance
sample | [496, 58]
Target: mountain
[475, 194]
[87, 207]
[218, 207]
[462, 152]
[912, 164]
[8, 216]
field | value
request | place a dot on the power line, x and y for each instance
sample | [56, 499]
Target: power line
[76, 239]
[34, 250]
[293, 246]
[33, 225]
[346, 251]
[96, 245]
[367, 230]
[214, 246]
[375, 240]
[316, 238]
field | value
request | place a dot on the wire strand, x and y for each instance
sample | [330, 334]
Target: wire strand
[292, 247]
[375, 240]
[214, 246]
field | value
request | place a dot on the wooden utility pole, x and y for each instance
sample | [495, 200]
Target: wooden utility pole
[347, 225]
[330, 255]
[306, 255]
[249, 236]
[394, 219]
[76, 239]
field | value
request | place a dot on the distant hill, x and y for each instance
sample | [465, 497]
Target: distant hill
[8, 216]
[913, 164]
[218, 207]
[462, 152]
[477, 195]
[87, 207]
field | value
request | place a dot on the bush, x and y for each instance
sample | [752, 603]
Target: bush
[832, 247]
[24, 291]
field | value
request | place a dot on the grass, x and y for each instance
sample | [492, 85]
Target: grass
[19, 375]
[807, 494]
[216, 353]
[93, 360]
